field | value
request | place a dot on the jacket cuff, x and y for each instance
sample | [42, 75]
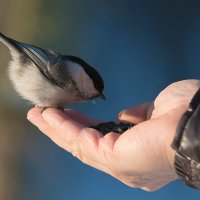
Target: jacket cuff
[188, 171]
[187, 145]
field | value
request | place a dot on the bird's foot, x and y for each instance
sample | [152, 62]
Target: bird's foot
[42, 109]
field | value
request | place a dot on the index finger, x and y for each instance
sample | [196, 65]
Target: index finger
[87, 144]
[63, 125]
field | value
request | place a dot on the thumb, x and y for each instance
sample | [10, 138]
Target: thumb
[136, 114]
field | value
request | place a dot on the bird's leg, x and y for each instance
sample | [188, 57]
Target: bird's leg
[42, 109]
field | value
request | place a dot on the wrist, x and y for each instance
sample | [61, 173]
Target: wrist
[187, 145]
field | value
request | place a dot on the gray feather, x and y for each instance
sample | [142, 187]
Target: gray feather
[48, 62]
[49, 79]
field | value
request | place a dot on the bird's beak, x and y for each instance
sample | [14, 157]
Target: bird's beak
[102, 96]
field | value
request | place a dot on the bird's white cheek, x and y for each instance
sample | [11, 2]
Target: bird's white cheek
[88, 86]
[82, 80]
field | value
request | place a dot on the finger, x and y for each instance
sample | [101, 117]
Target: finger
[136, 114]
[71, 131]
[35, 117]
[35, 113]
[56, 123]
[83, 142]
[74, 114]
[87, 144]
[59, 127]
[62, 123]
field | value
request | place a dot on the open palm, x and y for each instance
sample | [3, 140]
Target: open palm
[141, 156]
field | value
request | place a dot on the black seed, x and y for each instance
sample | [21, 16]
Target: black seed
[111, 126]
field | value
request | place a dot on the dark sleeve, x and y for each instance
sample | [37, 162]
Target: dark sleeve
[187, 144]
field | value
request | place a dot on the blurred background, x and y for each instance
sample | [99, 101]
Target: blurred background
[139, 47]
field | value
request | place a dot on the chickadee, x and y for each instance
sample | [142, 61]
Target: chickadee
[50, 79]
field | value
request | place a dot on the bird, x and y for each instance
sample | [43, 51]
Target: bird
[49, 79]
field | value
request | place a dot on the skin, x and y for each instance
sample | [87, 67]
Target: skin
[142, 156]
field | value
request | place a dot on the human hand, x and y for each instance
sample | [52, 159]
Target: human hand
[141, 156]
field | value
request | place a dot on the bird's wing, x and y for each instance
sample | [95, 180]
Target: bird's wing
[49, 63]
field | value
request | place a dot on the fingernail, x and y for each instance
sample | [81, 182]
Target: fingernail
[33, 116]
[120, 114]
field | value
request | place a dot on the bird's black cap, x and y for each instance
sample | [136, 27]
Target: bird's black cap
[92, 73]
